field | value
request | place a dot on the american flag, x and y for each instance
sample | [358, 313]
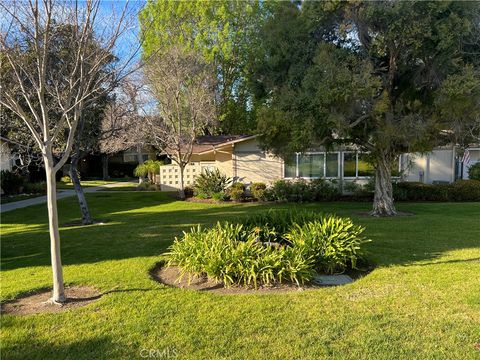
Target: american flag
[466, 157]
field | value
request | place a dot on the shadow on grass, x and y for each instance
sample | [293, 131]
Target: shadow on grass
[145, 224]
[30, 349]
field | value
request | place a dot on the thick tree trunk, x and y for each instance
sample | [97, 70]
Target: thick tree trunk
[383, 199]
[181, 192]
[86, 217]
[58, 288]
[105, 167]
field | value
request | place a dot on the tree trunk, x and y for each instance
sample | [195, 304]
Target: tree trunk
[58, 288]
[141, 179]
[105, 167]
[181, 192]
[86, 218]
[383, 199]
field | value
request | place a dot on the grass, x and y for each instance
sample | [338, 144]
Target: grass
[422, 300]
[92, 183]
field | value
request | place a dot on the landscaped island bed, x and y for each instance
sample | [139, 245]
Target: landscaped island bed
[420, 301]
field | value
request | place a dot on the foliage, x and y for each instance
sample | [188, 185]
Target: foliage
[210, 182]
[12, 183]
[149, 169]
[66, 179]
[237, 191]
[148, 186]
[462, 190]
[258, 252]
[302, 191]
[333, 242]
[474, 171]
[225, 33]
[318, 84]
[35, 188]
[258, 191]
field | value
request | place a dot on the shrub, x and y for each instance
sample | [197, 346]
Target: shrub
[462, 190]
[65, 179]
[188, 191]
[258, 191]
[11, 182]
[324, 190]
[35, 188]
[220, 196]
[210, 182]
[334, 243]
[474, 172]
[269, 248]
[237, 192]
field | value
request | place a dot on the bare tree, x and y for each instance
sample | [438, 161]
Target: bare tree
[49, 99]
[123, 125]
[183, 86]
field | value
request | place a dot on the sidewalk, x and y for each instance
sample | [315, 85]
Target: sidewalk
[60, 195]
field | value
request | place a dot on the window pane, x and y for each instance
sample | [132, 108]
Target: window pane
[364, 168]
[332, 165]
[349, 164]
[311, 165]
[290, 167]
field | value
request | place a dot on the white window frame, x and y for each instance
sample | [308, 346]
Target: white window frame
[324, 153]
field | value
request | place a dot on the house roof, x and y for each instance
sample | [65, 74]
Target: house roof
[208, 143]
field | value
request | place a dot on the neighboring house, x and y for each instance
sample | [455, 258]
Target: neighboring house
[241, 158]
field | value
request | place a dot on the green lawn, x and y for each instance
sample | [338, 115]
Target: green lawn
[422, 301]
[92, 183]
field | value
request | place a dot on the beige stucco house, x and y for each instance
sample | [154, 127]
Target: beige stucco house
[242, 159]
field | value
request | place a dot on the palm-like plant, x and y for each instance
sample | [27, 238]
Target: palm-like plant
[148, 169]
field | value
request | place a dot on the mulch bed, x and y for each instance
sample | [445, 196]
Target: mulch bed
[36, 303]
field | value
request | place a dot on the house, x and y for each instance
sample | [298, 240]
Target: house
[241, 158]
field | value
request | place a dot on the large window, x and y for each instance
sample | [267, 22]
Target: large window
[356, 165]
[312, 165]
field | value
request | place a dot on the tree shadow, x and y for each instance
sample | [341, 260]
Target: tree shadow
[94, 348]
[143, 225]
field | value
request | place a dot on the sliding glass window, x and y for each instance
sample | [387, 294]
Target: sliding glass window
[311, 165]
[350, 164]
[331, 167]
[364, 167]
[291, 167]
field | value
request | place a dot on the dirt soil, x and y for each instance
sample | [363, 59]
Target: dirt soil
[170, 276]
[36, 303]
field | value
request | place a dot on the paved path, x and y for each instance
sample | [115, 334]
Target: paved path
[60, 195]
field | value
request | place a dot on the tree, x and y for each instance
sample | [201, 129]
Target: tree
[225, 33]
[50, 98]
[183, 87]
[123, 124]
[364, 73]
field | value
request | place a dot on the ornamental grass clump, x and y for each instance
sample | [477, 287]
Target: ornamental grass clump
[269, 248]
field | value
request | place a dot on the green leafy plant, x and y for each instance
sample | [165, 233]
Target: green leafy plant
[269, 248]
[237, 192]
[148, 169]
[474, 171]
[210, 182]
[11, 182]
[258, 191]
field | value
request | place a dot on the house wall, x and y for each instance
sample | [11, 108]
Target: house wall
[251, 164]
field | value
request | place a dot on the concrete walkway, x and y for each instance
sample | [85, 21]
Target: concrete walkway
[61, 194]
